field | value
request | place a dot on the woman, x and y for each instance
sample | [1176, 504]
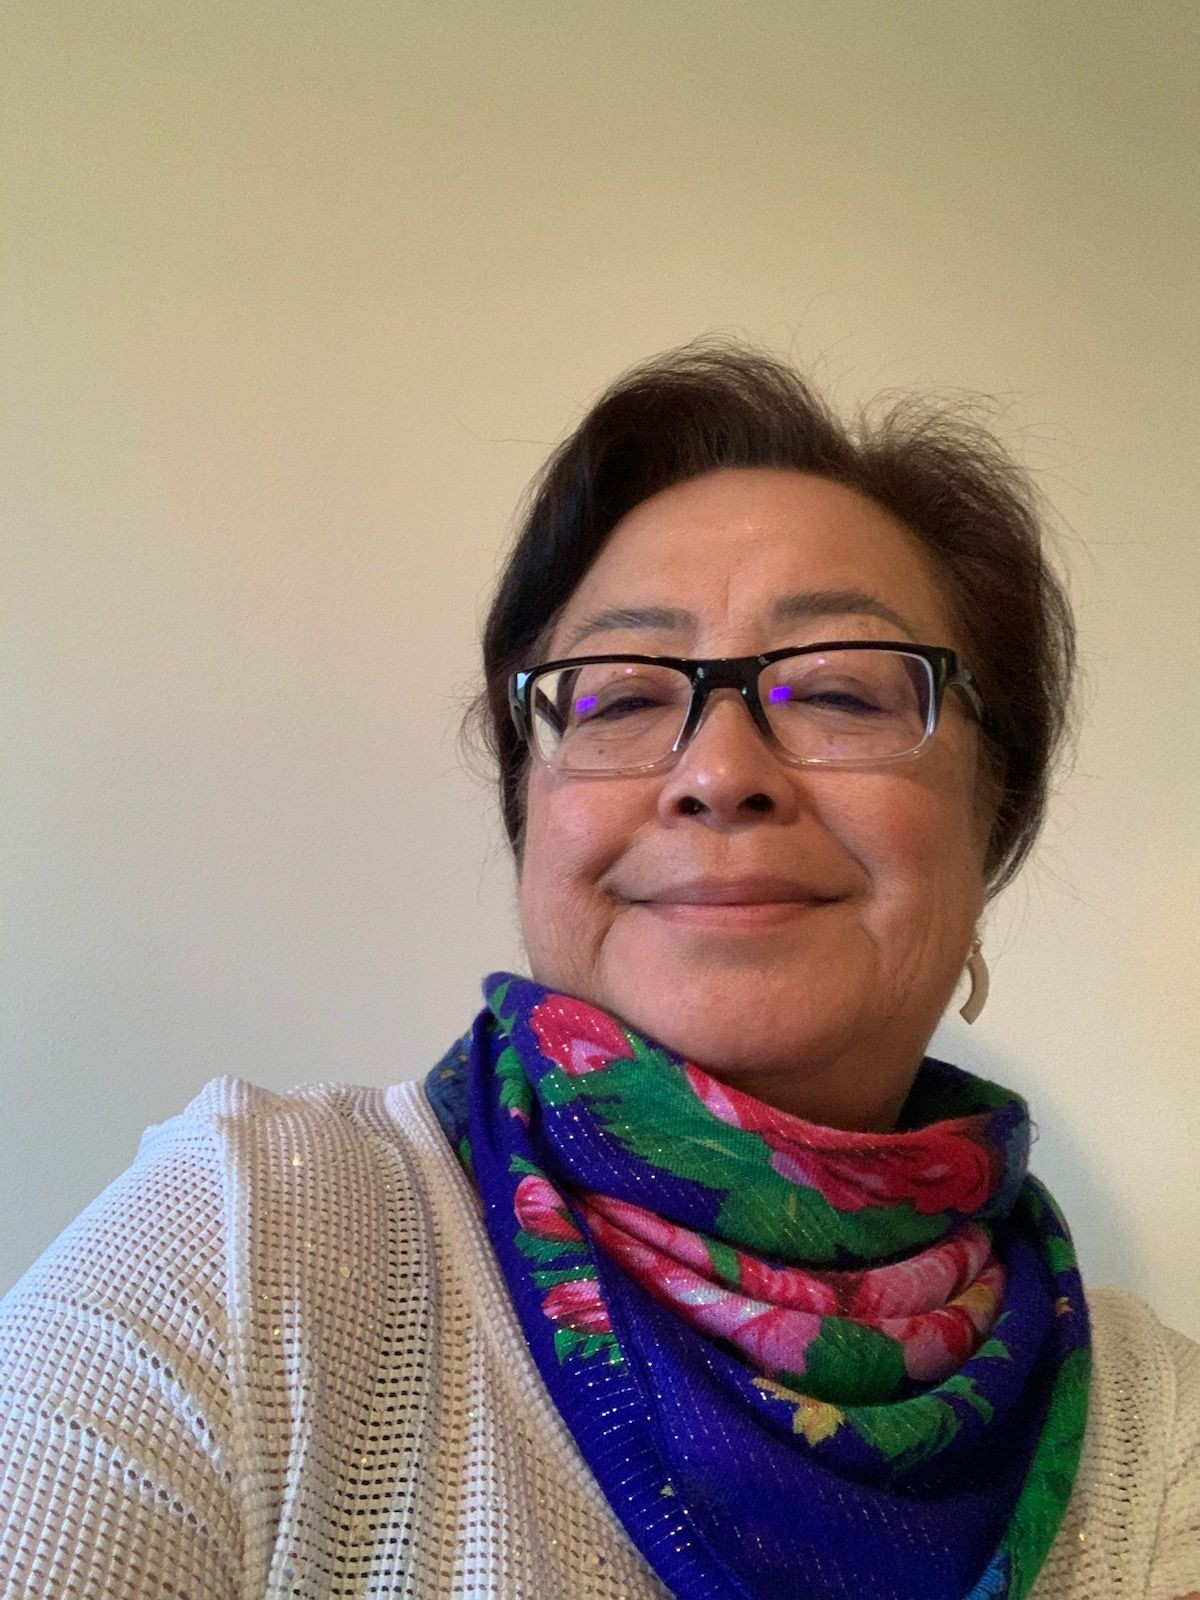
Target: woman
[686, 1272]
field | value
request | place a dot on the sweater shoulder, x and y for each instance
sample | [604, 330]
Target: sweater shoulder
[1143, 1371]
[215, 1177]
[1128, 1520]
[227, 1300]
[316, 1174]
[270, 1136]
[1148, 1378]
[229, 1101]
[1132, 1347]
[339, 1198]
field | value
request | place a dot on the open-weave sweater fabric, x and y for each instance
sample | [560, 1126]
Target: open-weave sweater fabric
[276, 1358]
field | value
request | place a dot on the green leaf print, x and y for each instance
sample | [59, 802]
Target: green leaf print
[908, 1432]
[1043, 1499]
[595, 1343]
[683, 1138]
[547, 1249]
[965, 1388]
[516, 1091]
[1060, 1253]
[571, 1342]
[496, 1003]
[726, 1266]
[848, 1358]
[758, 1207]
[550, 1277]
[559, 1088]
[1039, 1205]
[995, 1348]
[567, 1341]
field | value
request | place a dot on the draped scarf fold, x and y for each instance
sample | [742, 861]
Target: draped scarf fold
[797, 1359]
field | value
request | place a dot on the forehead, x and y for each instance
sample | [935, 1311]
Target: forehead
[728, 550]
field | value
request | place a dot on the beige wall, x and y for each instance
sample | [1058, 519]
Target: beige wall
[296, 297]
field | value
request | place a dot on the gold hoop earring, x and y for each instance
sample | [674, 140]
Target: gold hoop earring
[980, 983]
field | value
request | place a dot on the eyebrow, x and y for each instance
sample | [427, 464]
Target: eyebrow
[804, 606]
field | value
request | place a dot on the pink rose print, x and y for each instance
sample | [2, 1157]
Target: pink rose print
[774, 1340]
[666, 1279]
[666, 1257]
[938, 1342]
[643, 1262]
[619, 1218]
[542, 1211]
[577, 1305]
[943, 1172]
[935, 1171]
[576, 1036]
[787, 1287]
[717, 1098]
[925, 1281]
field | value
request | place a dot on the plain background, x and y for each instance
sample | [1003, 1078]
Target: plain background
[296, 298]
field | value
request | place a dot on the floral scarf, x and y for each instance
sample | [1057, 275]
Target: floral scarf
[796, 1359]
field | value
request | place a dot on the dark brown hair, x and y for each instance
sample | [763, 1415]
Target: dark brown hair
[706, 407]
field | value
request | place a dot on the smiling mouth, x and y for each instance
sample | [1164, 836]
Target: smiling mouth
[732, 914]
[735, 903]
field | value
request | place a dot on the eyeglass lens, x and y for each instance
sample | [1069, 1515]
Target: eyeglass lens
[849, 705]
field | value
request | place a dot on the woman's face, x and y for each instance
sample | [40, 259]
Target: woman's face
[849, 896]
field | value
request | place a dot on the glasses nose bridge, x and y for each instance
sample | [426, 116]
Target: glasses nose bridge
[734, 672]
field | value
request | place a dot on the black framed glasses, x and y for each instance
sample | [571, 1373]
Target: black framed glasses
[843, 703]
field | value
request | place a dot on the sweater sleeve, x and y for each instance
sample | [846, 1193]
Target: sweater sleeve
[118, 1459]
[1176, 1567]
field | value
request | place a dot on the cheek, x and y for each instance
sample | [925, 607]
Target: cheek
[917, 841]
[574, 832]
[564, 840]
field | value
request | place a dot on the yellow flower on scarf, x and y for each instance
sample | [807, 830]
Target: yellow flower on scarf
[815, 1419]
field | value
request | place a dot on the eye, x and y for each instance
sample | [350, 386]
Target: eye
[610, 694]
[590, 708]
[849, 699]
[586, 709]
[820, 693]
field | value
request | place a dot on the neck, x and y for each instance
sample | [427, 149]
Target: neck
[845, 1102]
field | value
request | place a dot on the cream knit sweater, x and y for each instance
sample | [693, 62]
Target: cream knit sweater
[275, 1358]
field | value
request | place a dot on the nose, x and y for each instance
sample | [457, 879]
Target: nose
[728, 775]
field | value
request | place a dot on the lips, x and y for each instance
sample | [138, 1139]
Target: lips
[755, 889]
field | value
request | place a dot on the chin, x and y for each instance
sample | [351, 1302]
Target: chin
[752, 1026]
